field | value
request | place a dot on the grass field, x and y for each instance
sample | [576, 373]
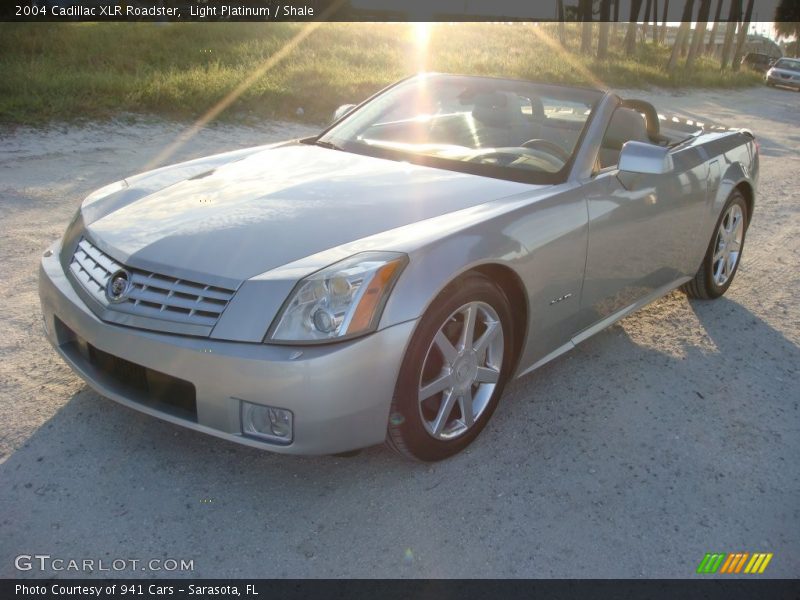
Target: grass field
[91, 70]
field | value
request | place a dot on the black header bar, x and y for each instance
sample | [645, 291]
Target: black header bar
[339, 10]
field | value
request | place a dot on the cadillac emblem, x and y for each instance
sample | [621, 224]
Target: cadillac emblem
[118, 286]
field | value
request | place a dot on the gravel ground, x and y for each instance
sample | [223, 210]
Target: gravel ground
[671, 434]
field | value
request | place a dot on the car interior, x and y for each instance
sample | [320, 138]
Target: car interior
[508, 128]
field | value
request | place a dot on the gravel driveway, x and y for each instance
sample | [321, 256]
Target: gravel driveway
[673, 433]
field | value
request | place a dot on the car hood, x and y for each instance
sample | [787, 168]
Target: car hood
[279, 205]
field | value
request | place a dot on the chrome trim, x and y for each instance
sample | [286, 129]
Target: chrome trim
[148, 294]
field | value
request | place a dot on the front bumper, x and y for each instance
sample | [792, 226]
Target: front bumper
[778, 80]
[339, 394]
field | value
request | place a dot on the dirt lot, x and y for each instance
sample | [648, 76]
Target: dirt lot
[674, 433]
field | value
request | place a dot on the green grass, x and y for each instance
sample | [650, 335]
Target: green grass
[69, 71]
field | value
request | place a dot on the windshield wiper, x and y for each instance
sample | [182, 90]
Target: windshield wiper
[329, 145]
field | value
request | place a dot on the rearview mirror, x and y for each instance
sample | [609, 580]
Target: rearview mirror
[342, 111]
[648, 159]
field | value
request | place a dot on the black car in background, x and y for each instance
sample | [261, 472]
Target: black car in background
[758, 61]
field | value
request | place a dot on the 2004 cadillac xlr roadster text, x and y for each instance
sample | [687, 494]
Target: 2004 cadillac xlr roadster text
[384, 279]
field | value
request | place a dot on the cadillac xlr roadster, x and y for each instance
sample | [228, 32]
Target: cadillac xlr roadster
[383, 280]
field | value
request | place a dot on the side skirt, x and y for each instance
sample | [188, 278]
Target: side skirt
[605, 323]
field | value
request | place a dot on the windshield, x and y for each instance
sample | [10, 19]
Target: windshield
[789, 65]
[498, 128]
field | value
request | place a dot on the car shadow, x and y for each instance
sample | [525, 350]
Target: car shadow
[644, 432]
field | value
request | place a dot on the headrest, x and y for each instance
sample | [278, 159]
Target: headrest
[650, 117]
[496, 109]
[537, 109]
[626, 124]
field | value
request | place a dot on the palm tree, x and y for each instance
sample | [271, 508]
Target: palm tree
[699, 32]
[787, 21]
[683, 33]
[730, 31]
[647, 8]
[585, 8]
[655, 21]
[712, 38]
[737, 58]
[602, 39]
[630, 36]
[562, 33]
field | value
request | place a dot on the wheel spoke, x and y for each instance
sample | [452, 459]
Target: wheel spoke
[465, 402]
[487, 375]
[737, 225]
[718, 272]
[492, 329]
[439, 384]
[445, 347]
[446, 407]
[468, 330]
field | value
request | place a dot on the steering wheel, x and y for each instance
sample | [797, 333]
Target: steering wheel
[548, 147]
[503, 157]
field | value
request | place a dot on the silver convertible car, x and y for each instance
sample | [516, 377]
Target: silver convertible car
[383, 280]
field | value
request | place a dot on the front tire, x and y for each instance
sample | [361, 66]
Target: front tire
[724, 252]
[454, 371]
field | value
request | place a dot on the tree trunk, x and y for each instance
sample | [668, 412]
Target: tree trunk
[730, 31]
[683, 33]
[630, 37]
[647, 8]
[699, 32]
[712, 38]
[562, 29]
[737, 58]
[664, 22]
[655, 21]
[585, 7]
[602, 39]
[616, 19]
[797, 40]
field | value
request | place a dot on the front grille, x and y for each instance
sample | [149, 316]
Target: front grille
[151, 294]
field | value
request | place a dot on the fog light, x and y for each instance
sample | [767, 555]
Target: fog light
[267, 422]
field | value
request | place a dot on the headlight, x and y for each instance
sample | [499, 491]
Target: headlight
[340, 301]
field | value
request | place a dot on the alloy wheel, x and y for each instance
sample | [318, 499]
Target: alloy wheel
[461, 369]
[728, 246]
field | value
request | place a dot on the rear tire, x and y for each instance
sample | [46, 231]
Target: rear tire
[454, 371]
[724, 252]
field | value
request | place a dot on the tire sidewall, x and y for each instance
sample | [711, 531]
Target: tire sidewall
[714, 290]
[405, 418]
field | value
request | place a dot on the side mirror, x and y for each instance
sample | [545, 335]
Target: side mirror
[647, 159]
[342, 111]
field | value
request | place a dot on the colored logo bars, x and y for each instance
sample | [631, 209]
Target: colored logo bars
[734, 563]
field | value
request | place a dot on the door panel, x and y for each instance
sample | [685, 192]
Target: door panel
[640, 233]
